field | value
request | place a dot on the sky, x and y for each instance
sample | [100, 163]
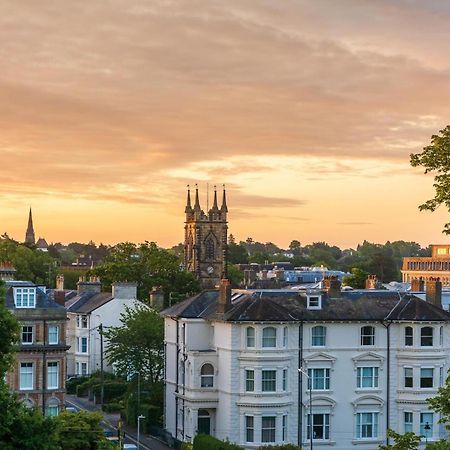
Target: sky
[306, 110]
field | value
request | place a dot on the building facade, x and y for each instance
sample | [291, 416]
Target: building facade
[39, 372]
[205, 240]
[240, 367]
[423, 268]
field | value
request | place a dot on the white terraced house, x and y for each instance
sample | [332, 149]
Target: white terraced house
[369, 359]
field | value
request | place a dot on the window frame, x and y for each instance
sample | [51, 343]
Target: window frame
[53, 342]
[28, 333]
[52, 374]
[408, 425]
[248, 337]
[273, 339]
[370, 337]
[249, 428]
[270, 431]
[422, 424]
[313, 379]
[373, 423]
[24, 297]
[267, 383]
[423, 338]
[314, 301]
[30, 386]
[408, 338]
[325, 425]
[405, 377]
[207, 376]
[374, 377]
[422, 378]
[249, 381]
[318, 337]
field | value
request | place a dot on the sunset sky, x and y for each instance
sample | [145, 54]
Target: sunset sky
[306, 109]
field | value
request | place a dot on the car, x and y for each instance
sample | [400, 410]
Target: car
[129, 447]
[71, 409]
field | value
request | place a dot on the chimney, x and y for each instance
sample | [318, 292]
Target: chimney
[124, 290]
[60, 282]
[93, 285]
[417, 285]
[224, 303]
[371, 282]
[264, 274]
[157, 298]
[249, 277]
[332, 285]
[433, 292]
[60, 297]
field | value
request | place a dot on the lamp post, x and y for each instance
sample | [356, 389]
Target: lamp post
[427, 428]
[139, 430]
[311, 429]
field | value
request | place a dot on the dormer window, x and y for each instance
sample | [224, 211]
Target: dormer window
[314, 302]
[25, 297]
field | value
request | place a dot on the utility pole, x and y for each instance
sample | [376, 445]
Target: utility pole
[139, 430]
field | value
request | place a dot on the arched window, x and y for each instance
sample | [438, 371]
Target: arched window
[52, 407]
[409, 336]
[207, 375]
[210, 250]
[318, 336]
[426, 336]
[367, 335]
[269, 337]
[250, 337]
[190, 246]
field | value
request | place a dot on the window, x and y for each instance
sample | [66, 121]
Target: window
[367, 377]
[25, 297]
[250, 337]
[53, 334]
[249, 380]
[318, 336]
[269, 381]
[426, 378]
[409, 336]
[269, 337]
[52, 375]
[82, 344]
[314, 302]
[82, 321]
[408, 422]
[441, 336]
[82, 368]
[426, 424]
[285, 337]
[441, 376]
[249, 428]
[426, 336]
[320, 426]
[207, 375]
[320, 379]
[27, 335]
[366, 425]
[284, 429]
[408, 372]
[209, 248]
[26, 376]
[268, 429]
[285, 372]
[367, 336]
[52, 410]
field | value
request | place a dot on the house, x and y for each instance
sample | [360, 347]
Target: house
[39, 372]
[88, 311]
[337, 367]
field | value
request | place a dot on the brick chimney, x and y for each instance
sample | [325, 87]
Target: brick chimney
[60, 282]
[60, 297]
[417, 285]
[157, 298]
[224, 303]
[93, 285]
[433, 291]
[332, 285]
[371, 282]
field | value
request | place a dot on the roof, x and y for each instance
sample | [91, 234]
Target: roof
[285, 306]
[88, 301]
[42, 299]
[41, 243]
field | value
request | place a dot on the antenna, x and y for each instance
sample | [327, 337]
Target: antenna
[207, 196]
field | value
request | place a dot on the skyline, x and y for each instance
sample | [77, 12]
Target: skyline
[307, 111]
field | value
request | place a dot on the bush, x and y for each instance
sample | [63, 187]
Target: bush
[205, 442]
[186, 446]
[112, 390]
[82, 389]
[113, 407]
[71, 386]
[280, 447]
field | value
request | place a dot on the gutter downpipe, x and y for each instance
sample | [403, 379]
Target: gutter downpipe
[184, 376]
[177, 354]
[300, 386]
[388, 373]
[44, 368]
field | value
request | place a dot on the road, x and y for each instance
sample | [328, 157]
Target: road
[110, 422]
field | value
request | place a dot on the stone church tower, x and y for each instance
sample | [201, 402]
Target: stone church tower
[205, 241]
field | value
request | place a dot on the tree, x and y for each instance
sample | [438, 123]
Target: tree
[137, 346]
[357, 279]
[435, 158]
[295, 247]
[407, 441]
[237, 254]
[440, 403]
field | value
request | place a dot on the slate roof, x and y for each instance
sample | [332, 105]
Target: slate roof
[88, 301]
[42, 299]
[285, 306]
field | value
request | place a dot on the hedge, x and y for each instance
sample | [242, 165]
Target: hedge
[71, 385]
[112, 407]
[186, 446]
[112, 390]
[206, 442]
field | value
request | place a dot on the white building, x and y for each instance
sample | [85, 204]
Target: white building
[87, 311]
[373, 358]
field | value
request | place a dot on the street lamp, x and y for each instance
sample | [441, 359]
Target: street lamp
[427, 428]
[301, 370]
[139, 430]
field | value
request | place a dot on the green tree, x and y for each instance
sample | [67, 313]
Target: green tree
[435, 159]
[440, 403]
[407, 441]
[295, 247]
[237, 254]
[137, 346]
[357, 279]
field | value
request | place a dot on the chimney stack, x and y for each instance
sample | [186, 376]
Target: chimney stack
[60, 282]
[417, 285]
[157, 298]
[371, 282]
[224, 303]
[93, 285]
[60, 297]
[332, 285]
[433, 292]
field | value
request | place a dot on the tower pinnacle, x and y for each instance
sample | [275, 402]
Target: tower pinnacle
[224, 207]
[188, 208]
[29, 235]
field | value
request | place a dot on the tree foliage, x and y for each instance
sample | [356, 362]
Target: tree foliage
[137, 345]
[407, 441]
[440, 403]
[357, 279]
[435, 158]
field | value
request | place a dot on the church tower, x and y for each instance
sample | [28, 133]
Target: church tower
[29, 235]
[205, 240]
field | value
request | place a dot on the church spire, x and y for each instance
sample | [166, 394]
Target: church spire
[188, 208]
[224, 207]
[197, 201]
[214, 206]
[29, 235]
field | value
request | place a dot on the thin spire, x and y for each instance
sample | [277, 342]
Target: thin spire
[197, 201]
[29, 235]
[224, 207]
[188, 208]
[214, 206]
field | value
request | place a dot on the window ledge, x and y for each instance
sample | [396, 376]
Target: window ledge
[360, 441]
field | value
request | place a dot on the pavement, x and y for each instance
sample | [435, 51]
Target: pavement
[111, 421]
